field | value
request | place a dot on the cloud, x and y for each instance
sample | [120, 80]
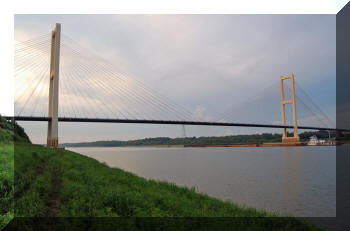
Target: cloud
[200, 114]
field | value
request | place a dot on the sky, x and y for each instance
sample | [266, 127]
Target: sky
[209, 64]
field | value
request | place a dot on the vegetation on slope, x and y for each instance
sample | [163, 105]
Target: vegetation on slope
[236, 139]
[6, 184]
[89, 188]
[10, 132]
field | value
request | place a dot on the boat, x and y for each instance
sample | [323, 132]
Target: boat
[315, 141]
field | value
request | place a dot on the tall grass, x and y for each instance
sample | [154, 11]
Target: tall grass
[6, 184]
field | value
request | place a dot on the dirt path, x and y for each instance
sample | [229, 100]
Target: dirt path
[39, 171]
[52, 203]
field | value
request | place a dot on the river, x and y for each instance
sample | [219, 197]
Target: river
[298, 181]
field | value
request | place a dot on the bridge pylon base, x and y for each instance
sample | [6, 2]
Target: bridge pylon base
[52, 143]
[290, 140]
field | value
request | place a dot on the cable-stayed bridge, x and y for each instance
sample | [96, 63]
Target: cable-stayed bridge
[59, 80]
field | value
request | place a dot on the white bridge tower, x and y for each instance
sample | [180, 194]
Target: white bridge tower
[52, 129]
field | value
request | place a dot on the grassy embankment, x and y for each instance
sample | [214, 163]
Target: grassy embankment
[9, 133]
[51, 183]
[6, 183]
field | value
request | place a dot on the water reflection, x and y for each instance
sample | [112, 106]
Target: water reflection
[293, 184]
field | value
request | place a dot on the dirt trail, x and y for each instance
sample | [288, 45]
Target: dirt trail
[39, 171]
[52, 203]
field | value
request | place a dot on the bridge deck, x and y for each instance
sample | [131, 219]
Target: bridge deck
[135, 121]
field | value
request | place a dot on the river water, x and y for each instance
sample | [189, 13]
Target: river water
[298, 181]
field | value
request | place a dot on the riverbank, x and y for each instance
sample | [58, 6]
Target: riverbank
[222, 145]
[62, 183]
[246, 145]
[253, 139]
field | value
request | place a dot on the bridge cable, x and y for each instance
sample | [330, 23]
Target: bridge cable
[103, 59]
[130, 92]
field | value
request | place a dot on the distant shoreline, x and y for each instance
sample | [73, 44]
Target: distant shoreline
[253, 140]
[205, 146]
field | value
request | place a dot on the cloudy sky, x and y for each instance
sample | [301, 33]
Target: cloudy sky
[209, 64]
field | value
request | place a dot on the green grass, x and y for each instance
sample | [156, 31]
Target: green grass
[33, 173]
[61, 183]
[6, 184]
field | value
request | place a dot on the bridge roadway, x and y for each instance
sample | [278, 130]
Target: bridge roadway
[138, 121]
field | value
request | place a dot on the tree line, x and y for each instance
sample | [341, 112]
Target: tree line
[203, 140]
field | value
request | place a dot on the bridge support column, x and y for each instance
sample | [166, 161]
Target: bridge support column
[52, 130]
[285, 138]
